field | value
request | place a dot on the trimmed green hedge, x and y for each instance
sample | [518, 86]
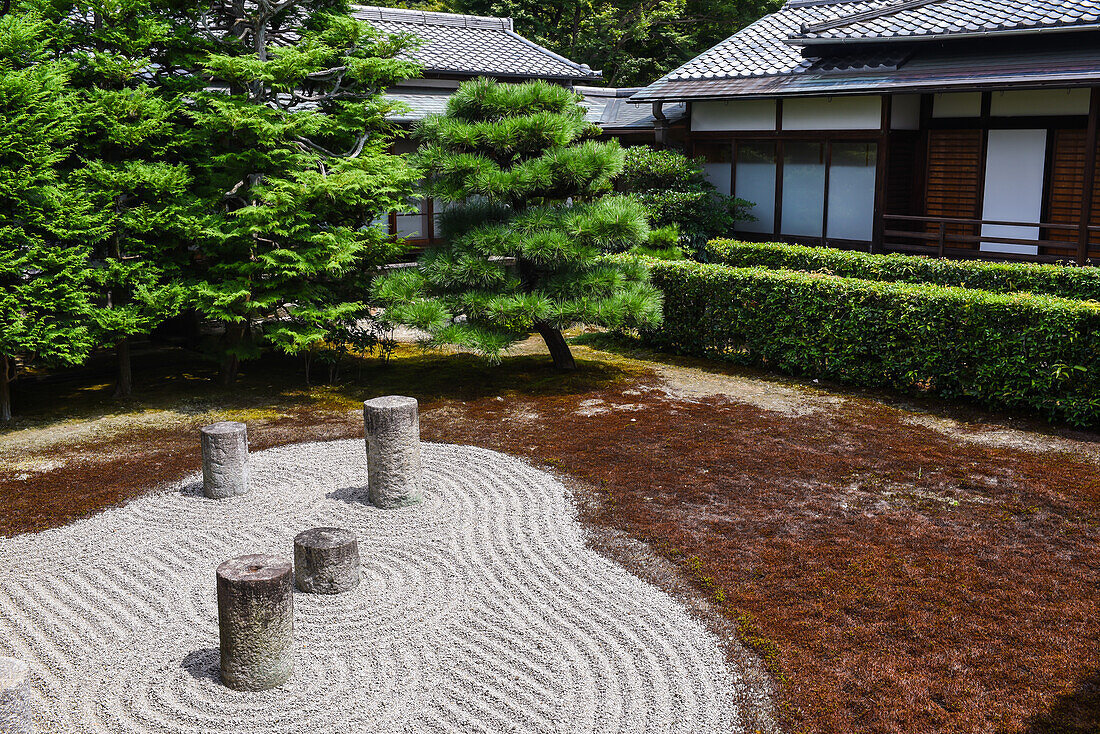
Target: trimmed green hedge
[1064, 281]
[1004, 350]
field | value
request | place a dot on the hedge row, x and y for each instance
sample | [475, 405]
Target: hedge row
[1004, 350]
[1064, 281]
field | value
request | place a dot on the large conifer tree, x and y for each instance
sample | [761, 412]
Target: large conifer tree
[293, 156]
[527, 229]
[135, 64]
[45, 302]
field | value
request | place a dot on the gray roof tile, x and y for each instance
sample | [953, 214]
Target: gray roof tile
[767, 56]
[609, 108]
[472, 45]
[927, 18]
[759, 49]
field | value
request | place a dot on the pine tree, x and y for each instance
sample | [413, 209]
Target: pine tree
[293, 158]
[44, 280]
[135, 63]
[528, 227]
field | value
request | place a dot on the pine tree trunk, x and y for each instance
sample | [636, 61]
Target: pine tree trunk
[124, 388]
[5, 390]
[559, 348]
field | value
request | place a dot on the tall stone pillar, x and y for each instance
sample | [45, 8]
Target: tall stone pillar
[224, 459]
[256, 621]
[392, 428]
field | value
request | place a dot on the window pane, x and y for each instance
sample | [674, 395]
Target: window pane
[852, 191]
[755, 182]
[408, 225]
[717, 165]
[803, 188]
[438, 207]
[412, 225]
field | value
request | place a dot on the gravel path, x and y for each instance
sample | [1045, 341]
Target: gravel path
[480, 610]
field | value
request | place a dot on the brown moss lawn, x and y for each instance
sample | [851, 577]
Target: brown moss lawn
[899, 568]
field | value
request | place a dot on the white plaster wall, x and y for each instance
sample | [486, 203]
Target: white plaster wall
[1039, 102]
[905, 112]
[734, 114]
[832, 113]
[957, 104]
[1014, 171]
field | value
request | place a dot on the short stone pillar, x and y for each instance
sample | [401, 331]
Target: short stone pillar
[224, 459]
[256, 621]
[326, 561]
[392, 427]
[15, 706]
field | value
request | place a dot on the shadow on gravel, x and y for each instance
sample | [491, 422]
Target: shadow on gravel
[204, 664]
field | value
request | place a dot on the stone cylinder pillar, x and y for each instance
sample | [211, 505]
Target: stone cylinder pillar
[224, 459]
[326, 561]
[256, 622]
[15, 707]
[392, 427]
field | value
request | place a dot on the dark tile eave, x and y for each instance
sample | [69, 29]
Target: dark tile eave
[497, 74]
[780, 86]
[810, 40]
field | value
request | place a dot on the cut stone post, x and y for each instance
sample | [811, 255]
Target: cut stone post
[224, 459]
[15, 706]
[326, 561]
[392, 427]
[256, 622]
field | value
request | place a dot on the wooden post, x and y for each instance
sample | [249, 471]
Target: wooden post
[881, 163]
[1089, 182]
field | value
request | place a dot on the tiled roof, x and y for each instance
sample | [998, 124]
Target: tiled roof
[933, 71]
[473, 45]
[768, 58]
[759, 49]
[420, 102]
[609, 108]
[938, 18]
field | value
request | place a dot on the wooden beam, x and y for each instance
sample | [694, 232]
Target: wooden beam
[1090, 178]
[920, 190]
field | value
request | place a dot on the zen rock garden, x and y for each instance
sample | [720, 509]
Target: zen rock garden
[256, 591]
[320, 588]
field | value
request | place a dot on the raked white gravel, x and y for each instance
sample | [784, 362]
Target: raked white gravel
[480, 610]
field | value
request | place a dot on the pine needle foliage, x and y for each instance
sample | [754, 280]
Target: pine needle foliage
[527, 225]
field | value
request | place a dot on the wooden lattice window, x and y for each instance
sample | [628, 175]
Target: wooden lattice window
[953, 188]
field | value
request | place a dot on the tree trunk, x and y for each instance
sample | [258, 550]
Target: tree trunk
[124, 388]
[5, 390]
[227, 375]
[559, 348]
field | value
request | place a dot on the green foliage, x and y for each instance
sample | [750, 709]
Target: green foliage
[45, 298]
[675, 192]
[1006, 350]
[528, 224]
[132, 60]
[1065, 281]
[292, 163]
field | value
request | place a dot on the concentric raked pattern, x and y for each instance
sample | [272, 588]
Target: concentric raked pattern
[479, 610]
